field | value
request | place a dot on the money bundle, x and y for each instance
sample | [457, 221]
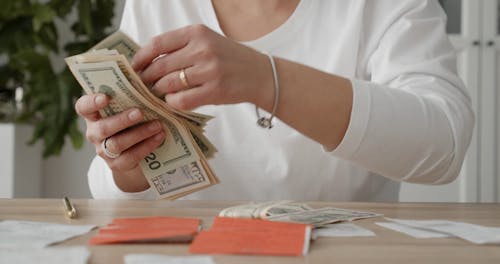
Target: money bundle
[264, 210]
[179, 165]
[288, 211]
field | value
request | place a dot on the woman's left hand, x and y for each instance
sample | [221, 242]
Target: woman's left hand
[217, 69]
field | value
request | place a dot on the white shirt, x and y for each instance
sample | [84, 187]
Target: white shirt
[411, 118]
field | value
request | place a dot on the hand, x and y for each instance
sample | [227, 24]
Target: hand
[218, 70]
[125, 136]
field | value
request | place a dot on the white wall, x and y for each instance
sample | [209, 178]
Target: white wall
[20, 164]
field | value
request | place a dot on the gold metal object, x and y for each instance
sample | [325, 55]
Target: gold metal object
[69, 209]
[183, 77]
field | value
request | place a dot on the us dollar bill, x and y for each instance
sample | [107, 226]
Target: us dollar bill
[196, 129]
[249, 210]
[119, 42]
[124, 45]
[289, 211]
[106, 77]
[283, 209]
[264, 210]
[182, 180]
[323, 216]
[178, 166]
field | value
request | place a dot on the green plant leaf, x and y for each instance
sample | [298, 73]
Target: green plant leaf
[29, 60]
[76, 47]
[37, 133]
[62, 7]
[14, 8]
[104, 9]
[16, 35]
[85, 16]
[42, 14]
[47, 37]
[76, 136]
[28, 38]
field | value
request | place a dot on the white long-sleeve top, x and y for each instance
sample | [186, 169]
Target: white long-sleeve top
[411, 118]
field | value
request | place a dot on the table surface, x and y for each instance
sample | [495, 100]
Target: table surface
[386, 247]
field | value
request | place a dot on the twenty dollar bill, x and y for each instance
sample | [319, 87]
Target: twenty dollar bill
[178, 166]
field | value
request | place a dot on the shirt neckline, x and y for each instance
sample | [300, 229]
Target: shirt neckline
[269, 40]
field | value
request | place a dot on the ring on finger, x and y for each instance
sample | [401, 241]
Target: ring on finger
[183, 78]
[108, 152]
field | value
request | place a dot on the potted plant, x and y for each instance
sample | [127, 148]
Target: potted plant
[31, 89]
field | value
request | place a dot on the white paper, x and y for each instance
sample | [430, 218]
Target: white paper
[55, 255]
[473, 233]
[341, 230]
[411, 231]
[28, 234]
[164, 259]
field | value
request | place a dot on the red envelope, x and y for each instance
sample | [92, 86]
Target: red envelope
[147, 229]
[252, 236]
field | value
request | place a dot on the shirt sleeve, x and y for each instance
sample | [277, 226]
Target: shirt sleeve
[412, 121]
[102, 184]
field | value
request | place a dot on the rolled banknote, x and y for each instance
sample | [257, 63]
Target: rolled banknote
[264, 210]
[323, 216]
[289, 211]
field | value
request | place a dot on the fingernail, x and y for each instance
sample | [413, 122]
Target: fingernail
[159, 136]
[153, 126]
[142, 76]
[134, 115]
[155, 91]
[99, 100]
[134, 63]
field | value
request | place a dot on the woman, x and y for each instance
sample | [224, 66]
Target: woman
[367, 96]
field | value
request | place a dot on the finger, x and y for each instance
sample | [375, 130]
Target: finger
[161, 44]
[124, 140]
[107, 127]
[172, 82]
[168, 63]
[191, 98]
[132, 156]
[88, 106]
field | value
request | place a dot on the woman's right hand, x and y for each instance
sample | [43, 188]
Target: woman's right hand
[124, 135]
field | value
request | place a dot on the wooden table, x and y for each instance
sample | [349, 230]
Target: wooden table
[386, 247]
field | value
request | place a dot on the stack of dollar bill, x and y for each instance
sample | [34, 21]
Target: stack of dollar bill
[288, 211]
[179, 166]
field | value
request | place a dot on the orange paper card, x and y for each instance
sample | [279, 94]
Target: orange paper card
[147, 229]
[230, 223]
[252, 236]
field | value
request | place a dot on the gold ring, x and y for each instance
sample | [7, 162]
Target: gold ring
[183, 77]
